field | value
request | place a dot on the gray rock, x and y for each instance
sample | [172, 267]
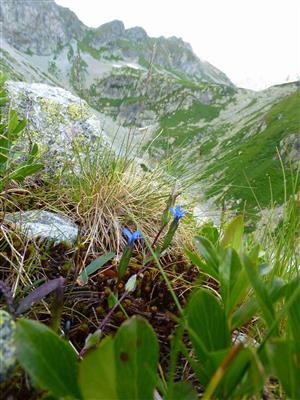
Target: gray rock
[40, 27]
[43, 29]
[136, 33]
[45, 225]
[290, 149]
[107, 33]
[58, 122]
[8, 350]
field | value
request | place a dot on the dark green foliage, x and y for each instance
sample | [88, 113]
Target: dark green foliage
[10, 130]
[285, 359]
[136, 355]
[97, 372]
[207, 324]
[48, 359]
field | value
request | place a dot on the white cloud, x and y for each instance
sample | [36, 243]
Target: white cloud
[255, 42]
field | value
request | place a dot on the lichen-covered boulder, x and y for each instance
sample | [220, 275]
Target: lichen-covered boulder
[8, 350]
[45, 225]
[59, 122]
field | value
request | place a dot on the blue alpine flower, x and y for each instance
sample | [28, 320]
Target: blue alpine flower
[177, 212]
[132, 236]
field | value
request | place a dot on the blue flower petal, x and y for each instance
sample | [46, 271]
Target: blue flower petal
[127, 233]
[137, 235]
[132, 236]
[173, 211]
[177, 212]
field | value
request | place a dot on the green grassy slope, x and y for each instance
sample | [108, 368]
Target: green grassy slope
[252, 161]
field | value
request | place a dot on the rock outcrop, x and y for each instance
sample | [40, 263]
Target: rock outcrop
[290, 149]
[38, 27]
[58, 121]
[51, 35]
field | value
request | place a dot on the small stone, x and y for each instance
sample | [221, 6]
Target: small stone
[45, 225]
[240, 337]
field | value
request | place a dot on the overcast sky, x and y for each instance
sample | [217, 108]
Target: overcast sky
[255, 42]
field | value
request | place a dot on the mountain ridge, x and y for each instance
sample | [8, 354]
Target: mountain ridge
[43, 28]
[157, 86]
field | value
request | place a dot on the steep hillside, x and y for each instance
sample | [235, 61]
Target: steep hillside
[245, 160]
[136, 97]
[53, 38]
[228, 138]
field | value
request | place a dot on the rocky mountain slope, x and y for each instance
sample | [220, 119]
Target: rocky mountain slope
[227, 138]
[54, 39]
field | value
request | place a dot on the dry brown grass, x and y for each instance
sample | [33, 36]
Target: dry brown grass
[108, 192]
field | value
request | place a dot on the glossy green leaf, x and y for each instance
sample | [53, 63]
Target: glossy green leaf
[12, 121]
[277, 290]
[15, 126]
[211, 232]
[24, 170]
[136, 357]
[233, 279]
[4, 151]
[233, 235]
[260, 290]
[183, 391]
[169, 235]
[207, 268]
[238, 291]
[244, 313]
[14, 134]
[97, 373]
[207, 324]
[94, 266]
[3, 100]
[294, 315]
[5, 145]
[285, 360]
[254, 253]
[49, 360]
[232, 374]
[33, 153]
[208, 252]
[124, 367]
[123, 264]
[112, 299]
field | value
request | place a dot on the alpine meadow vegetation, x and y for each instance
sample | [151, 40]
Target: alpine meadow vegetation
[146, 304]
[149, 219]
